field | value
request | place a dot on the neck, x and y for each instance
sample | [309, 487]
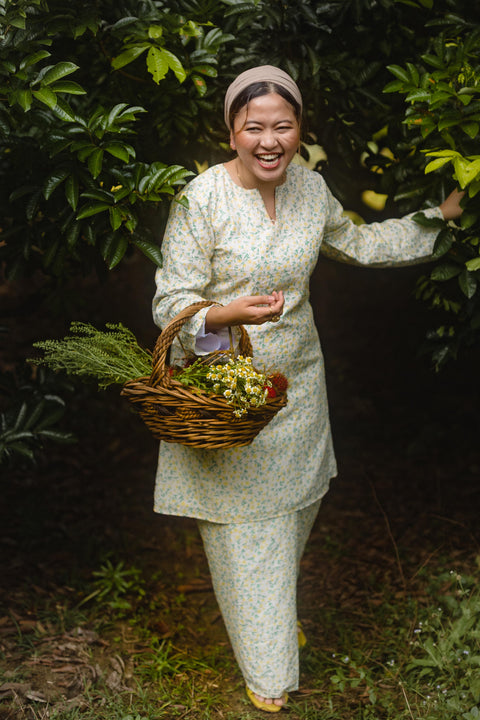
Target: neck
[254, 183]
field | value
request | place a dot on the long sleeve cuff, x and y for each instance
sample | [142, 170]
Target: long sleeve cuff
[210, 342]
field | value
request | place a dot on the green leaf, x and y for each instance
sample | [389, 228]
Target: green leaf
[24, 99]
[440, 98]
[53, 181]
[117, 252]
[131, 222]
[128, 56]
[72, 234]
[151, 183]
[151, 251]
[95, 162]
[68, 86]
[120, 151]
[63, 110]
[200, 84]
[18, 22]
[32, 59]
[438, 163]
[394, 86]
[98, 194]
[115, 217]
[175, 65]
[433, 60]
[413, 73]
[400, 73]
[445, 271]
[83, 150]
[157, 64]
[431, 222]
[35, 414]
[92, 209]
[418, 96]
[208, 70]
[191, 29]
[33, 204]
[155, 32]
[443, 153]
[57, 435]
[114, 113]
[465, 170]
[471, 129]
[124, 22]
[467, 219]
[58, 71]
[71, 191]
[46, 96]
[128, 114]
[467, 283]
[473, 264]
[20, 419]
[449, 120]
[443, 243]
[464, 99]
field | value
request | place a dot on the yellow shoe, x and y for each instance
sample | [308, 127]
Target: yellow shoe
[266, 707]
[302, 640]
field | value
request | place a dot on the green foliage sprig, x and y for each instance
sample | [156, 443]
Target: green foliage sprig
[443, 676]
[442, 96]
[111, 357]
[72, 131]
[32, 408]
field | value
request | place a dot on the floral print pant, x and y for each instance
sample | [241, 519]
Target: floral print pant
[254, 568]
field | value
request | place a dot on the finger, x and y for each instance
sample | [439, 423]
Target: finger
[277, 307]
[258, 299]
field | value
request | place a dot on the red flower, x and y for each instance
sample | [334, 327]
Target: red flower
[279, 381]
[271, 392]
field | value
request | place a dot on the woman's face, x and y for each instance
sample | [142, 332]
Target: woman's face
[266, 136]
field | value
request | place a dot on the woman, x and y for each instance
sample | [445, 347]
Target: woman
[250, 239]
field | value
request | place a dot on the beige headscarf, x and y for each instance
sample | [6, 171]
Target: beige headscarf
[262, 73]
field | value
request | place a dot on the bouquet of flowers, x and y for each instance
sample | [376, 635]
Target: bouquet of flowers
[236, 379]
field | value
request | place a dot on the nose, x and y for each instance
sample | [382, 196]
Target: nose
[269, 139]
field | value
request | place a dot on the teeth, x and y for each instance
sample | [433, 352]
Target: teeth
[268, 157]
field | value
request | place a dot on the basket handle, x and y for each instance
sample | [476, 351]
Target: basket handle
[160, 375]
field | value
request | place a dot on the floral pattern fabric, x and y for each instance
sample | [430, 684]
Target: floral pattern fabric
[222, 246]
[254, 568]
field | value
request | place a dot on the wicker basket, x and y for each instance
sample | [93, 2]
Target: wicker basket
[174, 413]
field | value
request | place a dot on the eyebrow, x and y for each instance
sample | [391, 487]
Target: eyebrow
[259, 122]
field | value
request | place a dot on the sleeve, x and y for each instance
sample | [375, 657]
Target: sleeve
[206, 343]
[187, 251]
[396, 242]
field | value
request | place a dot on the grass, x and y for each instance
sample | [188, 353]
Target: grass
[409, 657]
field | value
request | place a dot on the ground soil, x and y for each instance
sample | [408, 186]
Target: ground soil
[406, 498]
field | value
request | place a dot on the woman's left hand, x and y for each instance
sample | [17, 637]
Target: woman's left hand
[451, 205]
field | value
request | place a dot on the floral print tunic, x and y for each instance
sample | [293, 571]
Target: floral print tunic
[223, 246]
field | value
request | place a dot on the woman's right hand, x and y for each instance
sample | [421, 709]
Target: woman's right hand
[247, 310]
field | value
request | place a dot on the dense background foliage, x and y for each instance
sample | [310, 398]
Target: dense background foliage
[107, 108]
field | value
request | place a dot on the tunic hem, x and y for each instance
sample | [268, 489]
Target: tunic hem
[182, 512]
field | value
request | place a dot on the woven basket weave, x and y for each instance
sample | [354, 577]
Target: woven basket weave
[174, 413]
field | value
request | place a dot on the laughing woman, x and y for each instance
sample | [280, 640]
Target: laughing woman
[249, 240]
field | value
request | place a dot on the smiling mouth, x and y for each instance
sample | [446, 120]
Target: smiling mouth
[269, 160]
